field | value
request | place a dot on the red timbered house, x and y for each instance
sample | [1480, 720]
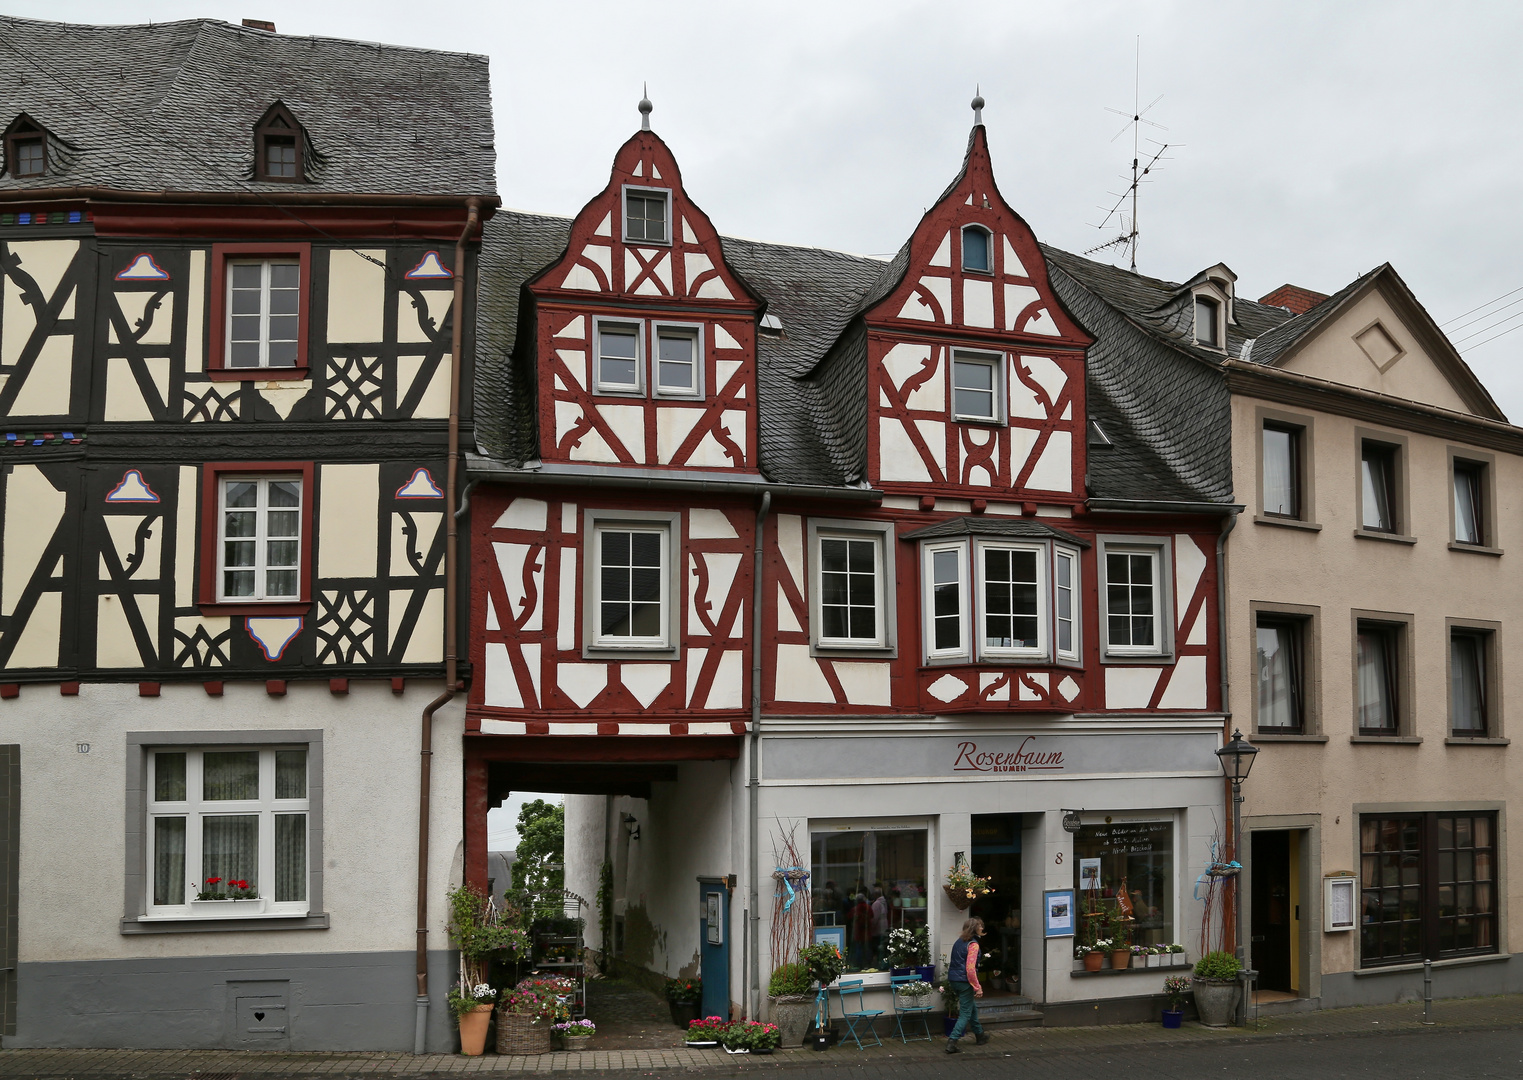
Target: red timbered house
[897, 559]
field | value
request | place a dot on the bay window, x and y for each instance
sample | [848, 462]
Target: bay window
[947, 600]
[1012, 591]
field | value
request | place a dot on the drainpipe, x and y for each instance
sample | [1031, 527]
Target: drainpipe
[451, 547]
[753, 923]
[1223, 637]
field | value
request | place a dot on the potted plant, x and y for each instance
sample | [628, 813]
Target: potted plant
[1216, 988]
[220, 896]
[963, 886]
[1177, 957]
[824, 961]
[575, 1034]
[481, 933]
[909, 952]
[705, 1033]
[948, 1002]
[525, 1017]
[911, 995]
[1176, 986]
[472, 1006]
[749, 1037]
[790, 1003]
[763, 1038]
[683, 998]
[1153, 956]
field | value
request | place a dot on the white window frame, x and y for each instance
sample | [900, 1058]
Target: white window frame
[634, 189]
[618, 389]
[996, 363]
[1076, 605]
[694, 333]
[1161, 550]
[194, 809]
[999, 654]
[669, 645]
[963, 651]
[264, 314]
[882, 532]
[663, 534]
[260, 539]
[962, 249]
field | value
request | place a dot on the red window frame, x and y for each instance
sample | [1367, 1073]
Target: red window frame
[212, 475]
[216, 363]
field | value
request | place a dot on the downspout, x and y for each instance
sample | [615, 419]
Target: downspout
[1223, 637]
[753, 923]
[451, 544]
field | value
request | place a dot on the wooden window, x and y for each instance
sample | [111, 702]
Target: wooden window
[977, 389]
[1469, 503]
[1379, 509]
[260, 301]
[1208, 322]
[1428, 886]
[26, 149]
[1282, 471]
[945, 569]
[225, 823]
[632, 586]
[646, 216]
[850, 590]
[1013, 594]
[620, 367]
[256, 538]
[1065, 602]
[278, 145]
[1280, 650]
[1132, 601]
[1469, 682]
[679, 361]
[1378, 665]
[976, 254]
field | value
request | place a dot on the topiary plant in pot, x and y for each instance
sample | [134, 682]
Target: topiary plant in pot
[1217, 989]
[790, 1002]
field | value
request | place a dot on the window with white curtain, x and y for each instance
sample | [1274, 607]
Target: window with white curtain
[1467, 682]
[1379, 510]
[1469, 524]
[1282, 495]
[227, 831]
[1279, 649]
[1377, 678]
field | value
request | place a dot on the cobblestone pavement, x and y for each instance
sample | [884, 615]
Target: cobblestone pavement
[1476, 1037]
[629, 1017]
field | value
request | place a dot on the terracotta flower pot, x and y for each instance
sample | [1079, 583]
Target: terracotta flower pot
[1120, 958]
[1093, 961]
[473, 1030]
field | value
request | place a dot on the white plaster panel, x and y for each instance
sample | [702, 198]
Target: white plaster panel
[723, 339]
[581, 682]
[673, 425]
[576, 363]
[123, 529]
[1013, 264]
[947, 688]
[1129, 687]
[115, 646]
[356, 295]
[1189, 564]
[46, 390]
[1021, 442]
[1068, 688]
[434, 402]
[510, 564]
[568, 517]
[703, 524]
[987, 679]
[721, 567]
[897, 457]
[645, 681]
[711, 453]
[724, 371]
[865, 683]
[1017, 297]
[187, 532]
[601, 256]
[565, 626]
[943, 254]
[688, 236]
[37, 647]
[906, 360]
[1041, 323]
[492, 623]
[195, 312]
[124, 398]
[1197, 631]
[411, 316]
[934, 434]
[695, 659]
[134, 308]
[426, 645]
[695, 263]
[1048, 375]
[716, 289]
[590, 445]
[576, 328]
[346, 521]
[786, 623]
[525, 513]
[581, 278]
[941, 289]
[33, 508]
[790, 544]
[726, 692]
[605, 227]
[283, 396]
[45, 261]
[799, 677]
[628, 424]
[977, 302]
[1054, 469]
[1187, 689]
[501, 683]
[531, 651]
[427, 523]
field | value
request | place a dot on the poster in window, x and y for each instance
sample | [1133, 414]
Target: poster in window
[1058, 911]
[1089, 874]
[831, 935]
[715, 926]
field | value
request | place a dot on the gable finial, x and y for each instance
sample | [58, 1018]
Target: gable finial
[645, 106]
[978, 106]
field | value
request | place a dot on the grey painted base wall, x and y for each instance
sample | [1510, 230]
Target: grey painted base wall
[296, 1001]
[1501, 976]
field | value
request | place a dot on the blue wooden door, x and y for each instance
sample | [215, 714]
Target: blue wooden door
[714, 947]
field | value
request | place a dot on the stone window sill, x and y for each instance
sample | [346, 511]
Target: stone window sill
[1394, 740]
[1390, 538]
[317, 920]
[1458, 961]
[1269, 736]
[1286, 523]
[1460, 740]
[1474, 549]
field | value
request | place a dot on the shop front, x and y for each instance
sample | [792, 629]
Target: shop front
[886, 817]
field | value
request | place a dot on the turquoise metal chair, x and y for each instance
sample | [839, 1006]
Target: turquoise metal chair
[853, 988]
[903, 1008]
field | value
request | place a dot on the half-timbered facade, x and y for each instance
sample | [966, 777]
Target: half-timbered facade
[963, 575]
[226, 352]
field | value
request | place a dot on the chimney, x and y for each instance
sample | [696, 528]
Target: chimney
[260, 24]
[1296, 300]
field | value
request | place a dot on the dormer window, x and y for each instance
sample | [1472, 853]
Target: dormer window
[646, 216]
[976, 255]
[278, 153]
[26, 149]
[1208, 313]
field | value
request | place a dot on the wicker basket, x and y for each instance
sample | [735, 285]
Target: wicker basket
[959, 897]
[519, 1034]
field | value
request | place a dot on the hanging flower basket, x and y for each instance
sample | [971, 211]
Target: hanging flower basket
[959, 897]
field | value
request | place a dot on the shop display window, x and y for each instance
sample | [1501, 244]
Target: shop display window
[1134, 857]
[869, 881]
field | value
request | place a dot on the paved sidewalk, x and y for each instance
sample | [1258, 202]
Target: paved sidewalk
[1470, 1014]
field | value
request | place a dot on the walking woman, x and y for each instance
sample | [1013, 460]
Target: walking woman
[962, 973]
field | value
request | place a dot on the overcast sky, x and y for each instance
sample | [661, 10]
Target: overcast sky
[1314, 141]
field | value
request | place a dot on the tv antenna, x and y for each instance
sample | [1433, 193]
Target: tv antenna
[1126, 240]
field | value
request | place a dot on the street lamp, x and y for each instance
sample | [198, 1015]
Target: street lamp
[1237, 760]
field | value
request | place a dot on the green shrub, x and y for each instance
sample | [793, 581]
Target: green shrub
[824, 961]
[1217, 965]
[789, 979]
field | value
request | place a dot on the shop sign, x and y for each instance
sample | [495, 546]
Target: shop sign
[1025, 758]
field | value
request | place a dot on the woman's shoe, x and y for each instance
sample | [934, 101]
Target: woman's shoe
[981, 1038]
[952, 1047]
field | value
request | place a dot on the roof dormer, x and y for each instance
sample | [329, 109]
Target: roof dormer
[1214, 293]
[279, 147]
[26, 149]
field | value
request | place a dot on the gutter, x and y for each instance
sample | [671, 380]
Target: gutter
[1223, 638]
[753, 772]
[451, 551]
[277, 198]
[1160, 506]
[488, 469]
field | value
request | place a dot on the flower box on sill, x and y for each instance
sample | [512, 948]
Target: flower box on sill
[227, 908]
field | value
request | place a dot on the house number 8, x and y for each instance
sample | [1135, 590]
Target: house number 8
[1058, 858]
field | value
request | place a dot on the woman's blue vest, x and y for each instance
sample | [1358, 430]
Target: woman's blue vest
[957, 966]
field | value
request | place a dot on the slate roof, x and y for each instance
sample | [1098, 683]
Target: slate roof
[172, 106]
[993, 526]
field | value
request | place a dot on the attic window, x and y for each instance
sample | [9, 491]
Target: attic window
[975, 250]
[1208, 322]
[278, 153]
[26, 149]
[645, 215]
